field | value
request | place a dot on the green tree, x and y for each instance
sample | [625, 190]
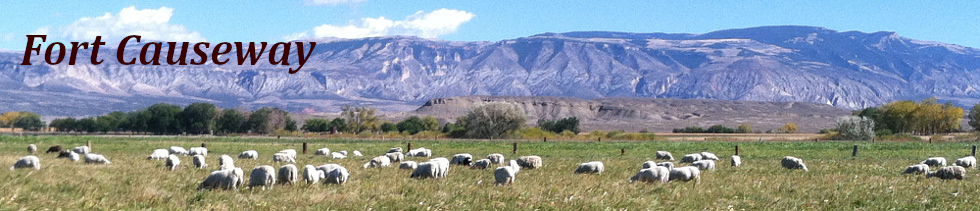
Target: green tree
[855, 128]
[87, 124]
[64, 125]
[29, 121]
[163, 119]
[360, 118]
[230, 121]
[411, 125]
[198, 118]
[317, 125]
[974, 117]
[340, 123]
[139, 121]
[744, 128]
[267, 120]
[430, 123]
[789, 128]
[388, 127]
[558, 126]
[493, 120]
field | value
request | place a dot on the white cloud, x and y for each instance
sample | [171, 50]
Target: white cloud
[151, 24]
[333, 2]
[422, 24]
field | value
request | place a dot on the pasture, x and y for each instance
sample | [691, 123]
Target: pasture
[835, 180]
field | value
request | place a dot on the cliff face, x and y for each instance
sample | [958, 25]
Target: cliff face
[776, 64]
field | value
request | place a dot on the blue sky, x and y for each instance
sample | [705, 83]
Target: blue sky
[954, 22]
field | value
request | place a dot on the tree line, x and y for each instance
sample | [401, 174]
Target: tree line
[196, 118]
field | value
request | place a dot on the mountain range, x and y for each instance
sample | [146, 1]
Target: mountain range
[848, 70]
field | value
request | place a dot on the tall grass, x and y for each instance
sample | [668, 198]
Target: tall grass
[836, 181]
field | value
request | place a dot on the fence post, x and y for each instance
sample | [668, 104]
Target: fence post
[89, 144]
[205, 145]
[974, 151]
[545, 139]
[304, 148]
[599, 140]
[409, 146]
[515, 147]
[855, 152]
[622, 151]
[736, 149]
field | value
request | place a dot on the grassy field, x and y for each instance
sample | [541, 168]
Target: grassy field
[836, 181]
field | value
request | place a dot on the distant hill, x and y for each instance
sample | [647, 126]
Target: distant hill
[775, 64]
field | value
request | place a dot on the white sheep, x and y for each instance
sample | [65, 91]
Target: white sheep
[31, 148]
[198, 151]
[668, 165]
[283, 157]
[709, 156]
[96, 159]
[506, 175]
[199, 162]
[249, 154]
[82, 150]
[395, 156]
[408, 165]
[343, 152]
[159, 154]
[222, 179]
[290, 152]
[380, 161]
[594, 167]
[357, 153]
[425, 170]
[935, 161]
[29, 161]
[288, 174]
[241, 175]
[328, 167]
[322, 151]
[664, 155]
[264, 176]
[337, 155]
[225, 162]
[966, 162]
[496, 158]
[686, 173]
[649, 164]
[917, 169]
[72, 156]
[311, 175]
[530, 162]
[172, 162]
[652, 174]
[443, 168]
[178, 150]
[396, 149]
[481, 164]
[462, 159]
[690, 158]
[790, 162]
[704, 164]
[736, 161]
[338, 175]
[420, 152]
[949, 172]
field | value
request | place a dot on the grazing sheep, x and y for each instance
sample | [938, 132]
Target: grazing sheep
[198, 151]
[653, 174]
[463, 159]
[65, 154]
[736, 161]
[380, 161]
[290, 152]
[357, 153]
[337, 155]
[420, 152]
[704, 164]
[668, 165]
[178, 150]
[288, 174]
[686, 173]
[935, 161]
[283, 157]
[649, 164]
[709, 156]
[343, 152]
[249, 154]
[327, 168]
[690, 158]
[264, 176]
[96, 159]
[241, 175]
[29, 161]
[949, 172]
[222, 179]
[82, 150]
[966, 162]
[594, 167]
[338, 175]
[199, 161]
[443, 168]
[790, 162]
[496, 158]
[225, 162]
[664, 155]
[159, 154]
[172, 162]
[529, 162]
[395, 156]
[311, 175]
[481, 164]
[425, 170]
[54, 149]
[917, 169]
[31, 148]
[506, 175]
[396, 149]
[74, 157]
[408, 165]
[322, 151]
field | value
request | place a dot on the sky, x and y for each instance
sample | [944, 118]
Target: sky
[955, 22]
